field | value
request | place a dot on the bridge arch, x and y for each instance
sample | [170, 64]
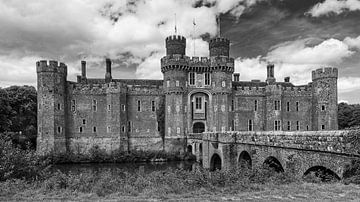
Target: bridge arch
[273, 163]
[322, 172]
[244, 160]
[215, 162]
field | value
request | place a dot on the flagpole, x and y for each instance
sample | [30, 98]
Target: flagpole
[194, 34]
[175, 25]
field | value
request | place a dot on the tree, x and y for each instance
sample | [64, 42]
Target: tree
[5, 111]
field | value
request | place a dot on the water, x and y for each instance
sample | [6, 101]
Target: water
[146, 167]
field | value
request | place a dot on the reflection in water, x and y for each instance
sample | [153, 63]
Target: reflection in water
[146, 167]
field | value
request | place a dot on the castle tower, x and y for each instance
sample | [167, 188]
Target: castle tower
[222, 69]
[52, 107]
[173, 67]
[324, 93]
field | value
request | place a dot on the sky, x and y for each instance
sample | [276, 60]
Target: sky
[298, 36]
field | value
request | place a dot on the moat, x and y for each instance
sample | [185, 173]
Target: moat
[146, 167]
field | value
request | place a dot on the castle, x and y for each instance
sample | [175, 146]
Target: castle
[195, 95]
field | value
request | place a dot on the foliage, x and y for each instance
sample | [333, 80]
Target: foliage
[98, 155]
[348, 115]
[18, 163]
[18, 111]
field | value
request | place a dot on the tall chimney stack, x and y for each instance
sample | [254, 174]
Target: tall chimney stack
[236, 76]
[270, 74]
[83, 69]
[108, 77]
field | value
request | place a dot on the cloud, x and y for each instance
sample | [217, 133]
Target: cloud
[131, 30]
[297, 59]
[348, 84]
[297, 52]
[353, 42]
[334, 7]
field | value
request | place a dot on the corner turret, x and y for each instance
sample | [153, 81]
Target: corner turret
[52, 107]
[219, 47]
[175, 45]
[324, 93]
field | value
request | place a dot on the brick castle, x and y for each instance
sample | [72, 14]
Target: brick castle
[195, 95]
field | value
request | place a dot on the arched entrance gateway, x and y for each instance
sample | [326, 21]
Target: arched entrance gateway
[215, 162]
[198, 127]
[198, 114]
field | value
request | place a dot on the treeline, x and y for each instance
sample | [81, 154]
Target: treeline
[18, 111]
[348, 115]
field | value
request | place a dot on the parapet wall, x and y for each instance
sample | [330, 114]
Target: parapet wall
[328, 141]
[50, 66]
[327, 72]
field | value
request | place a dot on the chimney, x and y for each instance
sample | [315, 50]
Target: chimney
[83, 69]
[287, 79]
[236, 76]
[108, 77]
[270, 73]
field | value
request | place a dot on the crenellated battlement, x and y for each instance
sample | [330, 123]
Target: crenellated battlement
[250, 90]
[113, 87]
[176, 38]
[50, 66]
[327, 72]
[219, 41]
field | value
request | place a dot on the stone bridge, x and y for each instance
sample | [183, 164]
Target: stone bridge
[296, 152]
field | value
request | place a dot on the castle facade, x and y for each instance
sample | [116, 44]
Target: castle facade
[195, 95]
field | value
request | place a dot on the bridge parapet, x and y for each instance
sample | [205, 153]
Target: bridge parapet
[344, 141]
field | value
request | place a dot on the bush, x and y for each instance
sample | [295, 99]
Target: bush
[19, 163]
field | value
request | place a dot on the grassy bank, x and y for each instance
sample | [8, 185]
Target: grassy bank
[262, 184]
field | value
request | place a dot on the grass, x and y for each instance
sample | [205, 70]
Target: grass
[199, 184]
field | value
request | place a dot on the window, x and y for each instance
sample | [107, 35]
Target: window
[138, 105]
[168, 83]
[223, 129]
[123, 129]
[73, 104]
[108, 129]
[322, 107]
[250, 125]
[232, 125]
[277, 104]
[232, 105]
[94, 129]
[322, 127]
[169, 130]
[223, 83]
[129, 126]
[153, 106]
[192, 78]
[123, 107]
[288, 125]
[109, 108]
[58, 106]
[297, 125]
[207, 79]
[297, 106]
[81, 129]
[94, 105]
[198, 103]
[288, 106]
[255, 105]
[277, 125]
[84, 121]
[177, 83]
[59, 129]
[178, 130]
[307, 127]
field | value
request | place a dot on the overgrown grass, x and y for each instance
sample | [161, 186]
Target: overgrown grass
[155, 184]
[98, 155]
